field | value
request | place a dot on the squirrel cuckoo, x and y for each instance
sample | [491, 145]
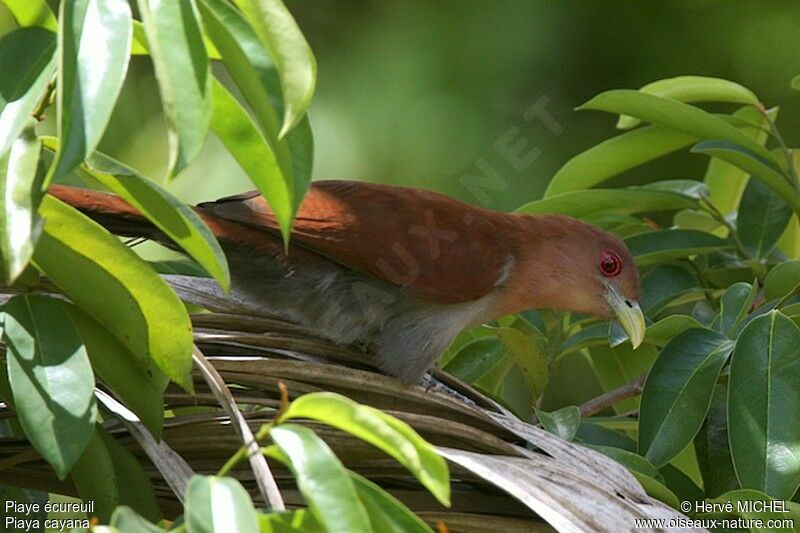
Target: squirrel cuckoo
[402, 271]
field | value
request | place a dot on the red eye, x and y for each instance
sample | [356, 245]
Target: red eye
[610, 263]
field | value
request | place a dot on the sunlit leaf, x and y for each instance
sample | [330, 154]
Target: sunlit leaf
[184, 80]
[754, 164]
[27, 61]
[283, 175]
[50, 377]
[621, 201]
[279, 32]
[119, 290]
[726, 182]
[20, 195]
[677, 393]
[676, 115]
[33, 13]
[140, 388]
[616, 155]
[216, 504]
[694, 89]
[93, 53]
[177, 220]
[323, 481]
[394, 437]
[764, 387]
[298, 520]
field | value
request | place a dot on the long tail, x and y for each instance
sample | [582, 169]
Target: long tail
[112, 212]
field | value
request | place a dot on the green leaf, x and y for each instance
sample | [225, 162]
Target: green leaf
[751, 504]
[475, 358]
[661, 332]
[280, 34]
[394, 437]
[726, 182]
[134, 485]
[33, 13]
[51, 378]
[564, 422]
[694, 89]
[764, 387]
[593, 335]
[177, 220]
[712, 448]
[782, 279]
[676, 115]
[762, 219]
[385, 512]
[677, 393]
[615, 367]
[216, 504]
[528, 355]
[182, 70]
[20, 195]
[795, 83]
[241, 136]
[125, 519]
[27, 61]
[323, 481]
[118, 289]
[691, 188]
[664, 245]
[663, 285]
[139, 387]
[299, 520]
[620, 201]
[644, 473]
[754, 164]
[616, 155]
[734, 306]
[283, 175]
[95, 478]
[592, 433]
[93, 53]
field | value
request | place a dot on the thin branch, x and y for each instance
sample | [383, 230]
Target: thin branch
[264, 478]
[629, 390]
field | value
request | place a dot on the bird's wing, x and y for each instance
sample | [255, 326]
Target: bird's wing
[440, 249]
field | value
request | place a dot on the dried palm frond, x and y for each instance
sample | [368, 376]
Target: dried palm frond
[507, 475]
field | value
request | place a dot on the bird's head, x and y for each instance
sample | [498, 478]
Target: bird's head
[574, 266]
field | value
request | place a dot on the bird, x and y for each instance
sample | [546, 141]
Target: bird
[401, 271]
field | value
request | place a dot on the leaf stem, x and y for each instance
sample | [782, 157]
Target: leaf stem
[719, 217]
[45, 102]
[784, 147]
